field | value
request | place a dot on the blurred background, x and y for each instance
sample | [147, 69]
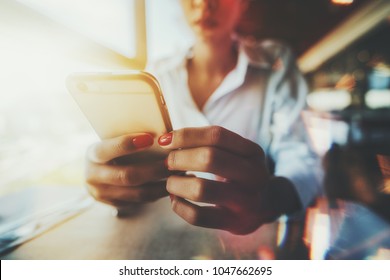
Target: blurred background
[43, 135]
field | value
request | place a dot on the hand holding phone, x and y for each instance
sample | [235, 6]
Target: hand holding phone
[128, 112]
[122, 103]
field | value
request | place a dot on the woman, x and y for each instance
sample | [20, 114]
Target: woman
[235, 108]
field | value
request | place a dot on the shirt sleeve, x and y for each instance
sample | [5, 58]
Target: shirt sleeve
[289, 146]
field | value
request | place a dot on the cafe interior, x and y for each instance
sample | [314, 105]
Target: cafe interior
[342, 47]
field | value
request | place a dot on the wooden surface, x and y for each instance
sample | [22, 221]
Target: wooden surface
[155, 233]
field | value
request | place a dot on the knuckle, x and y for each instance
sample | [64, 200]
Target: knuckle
[208, 157]
[99, 196]
[194, 217]
[93, 153]
[175, 207]
[124, 144]
[172, 160]
[96, 193]
[190, 215]
[199, 189]
[127, 177]
[180, 134]
[216, 134]
[170, 183]
[90, 174]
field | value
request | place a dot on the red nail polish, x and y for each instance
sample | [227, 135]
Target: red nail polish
[143, 141]
[165, 139]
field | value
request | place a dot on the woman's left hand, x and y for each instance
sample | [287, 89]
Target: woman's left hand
[241, 201]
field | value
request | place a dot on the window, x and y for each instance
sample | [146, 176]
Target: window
[41, 41]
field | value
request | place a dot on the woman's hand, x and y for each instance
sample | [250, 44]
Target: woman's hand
[112, 179]
[240, 202]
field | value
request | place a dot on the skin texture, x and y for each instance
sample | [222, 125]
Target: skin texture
[110, 179]
[245, 195]
[237, 203]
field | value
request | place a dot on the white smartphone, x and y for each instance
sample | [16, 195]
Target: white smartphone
[122, 103]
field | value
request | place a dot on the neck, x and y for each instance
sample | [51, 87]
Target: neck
[214, 57]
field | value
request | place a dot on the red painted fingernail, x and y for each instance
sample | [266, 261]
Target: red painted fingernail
[143, 141]
[165, 139]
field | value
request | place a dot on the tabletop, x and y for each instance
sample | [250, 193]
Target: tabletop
[155, 232]
[337, 230]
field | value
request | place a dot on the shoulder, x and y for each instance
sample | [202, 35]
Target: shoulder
[286, 84]
[266, 53]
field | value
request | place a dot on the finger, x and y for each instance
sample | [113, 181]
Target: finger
[214, 136]
[218, 162]
[214, 217]
[130, 175]
[122, 196]
[208, 191]
[110, 149]
[206, 216]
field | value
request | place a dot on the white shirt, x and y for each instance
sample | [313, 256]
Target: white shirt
[261, 99]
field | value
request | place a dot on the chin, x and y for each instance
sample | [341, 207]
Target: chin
[203, 33]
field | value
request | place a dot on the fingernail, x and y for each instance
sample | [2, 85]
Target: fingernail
[172, 197]
[143, 141]
[165, 139]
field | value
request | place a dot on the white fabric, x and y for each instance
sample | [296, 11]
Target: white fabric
[261, 99]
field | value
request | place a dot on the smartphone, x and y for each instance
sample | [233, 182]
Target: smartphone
[122, 103]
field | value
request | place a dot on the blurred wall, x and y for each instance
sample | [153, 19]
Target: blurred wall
[298, 22]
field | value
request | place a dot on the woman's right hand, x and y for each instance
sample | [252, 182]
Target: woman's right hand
[112, 179]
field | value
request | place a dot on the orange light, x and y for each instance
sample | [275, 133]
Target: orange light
[342, 2]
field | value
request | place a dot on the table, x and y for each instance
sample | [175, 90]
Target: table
[344, 230]
[155, 233]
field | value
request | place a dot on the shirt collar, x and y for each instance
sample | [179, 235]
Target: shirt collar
[233, 80]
